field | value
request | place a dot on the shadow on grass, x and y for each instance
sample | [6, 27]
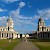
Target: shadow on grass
[39, 40]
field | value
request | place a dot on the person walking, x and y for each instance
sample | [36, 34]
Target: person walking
[25, 38]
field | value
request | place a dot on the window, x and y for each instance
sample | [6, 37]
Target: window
[43, 23]
[40, 29]
[47, 29]
[8, 28]
[2, 34]
[40, 23]
[7, 34]
[1, 29]
[12, 35]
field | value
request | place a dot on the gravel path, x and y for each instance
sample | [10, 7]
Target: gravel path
[26, 46]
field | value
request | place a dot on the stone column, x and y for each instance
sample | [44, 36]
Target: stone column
[6, 35]
[11, 35]
[3, 35]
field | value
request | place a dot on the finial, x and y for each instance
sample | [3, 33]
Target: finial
[40, 17]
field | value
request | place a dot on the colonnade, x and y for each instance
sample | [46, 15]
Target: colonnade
[43, 35]
[6, 35]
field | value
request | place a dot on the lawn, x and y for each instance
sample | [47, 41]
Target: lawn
[41, 44]
[6, 45]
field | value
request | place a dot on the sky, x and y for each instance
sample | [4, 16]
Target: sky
[25, 13]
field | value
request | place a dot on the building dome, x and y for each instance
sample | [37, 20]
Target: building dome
[41, 24]
[40, 19]
[10, 22]
[9, 19]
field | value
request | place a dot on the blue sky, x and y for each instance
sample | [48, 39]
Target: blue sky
[25, 13]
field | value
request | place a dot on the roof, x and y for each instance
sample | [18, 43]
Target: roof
[40, 19]
[2, 27]
[9, 19]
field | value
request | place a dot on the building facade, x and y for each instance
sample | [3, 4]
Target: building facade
[41, 25]
[8, 31]
[43, 32]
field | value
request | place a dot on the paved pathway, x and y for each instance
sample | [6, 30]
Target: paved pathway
[26, 46]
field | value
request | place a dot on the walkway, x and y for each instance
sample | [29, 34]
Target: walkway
[26, 46]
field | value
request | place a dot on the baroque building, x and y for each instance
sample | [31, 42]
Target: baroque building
[41, 25]
[43, 32]
[8, 31]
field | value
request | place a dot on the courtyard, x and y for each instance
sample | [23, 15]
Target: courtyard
[31, 44]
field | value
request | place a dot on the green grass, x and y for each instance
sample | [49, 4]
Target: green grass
[6, 45]
[42, 44]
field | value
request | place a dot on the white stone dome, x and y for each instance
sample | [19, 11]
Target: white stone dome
[9, 19]
[41, 20]
[10, 22]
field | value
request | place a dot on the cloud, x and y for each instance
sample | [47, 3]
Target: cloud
[1, 18]
[22, 4]
[21, 20]
[9, 1]
[15, 12]
[2, 10]
[45, 13]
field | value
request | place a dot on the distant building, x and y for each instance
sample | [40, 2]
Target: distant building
[8, 31]
[41, 25]
[43, 32]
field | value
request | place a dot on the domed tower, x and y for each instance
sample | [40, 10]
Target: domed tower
[41, 24]
[10, 24]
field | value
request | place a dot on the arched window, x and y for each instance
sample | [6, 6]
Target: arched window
[8, 28]
[40, 23]
[1, 29]
[2, 34]
[43, 23]
[47, 29]
[12, 35]
[7, 34]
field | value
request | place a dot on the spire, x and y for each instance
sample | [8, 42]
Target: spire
[10, 15]
[41, 17]
[10, 18]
